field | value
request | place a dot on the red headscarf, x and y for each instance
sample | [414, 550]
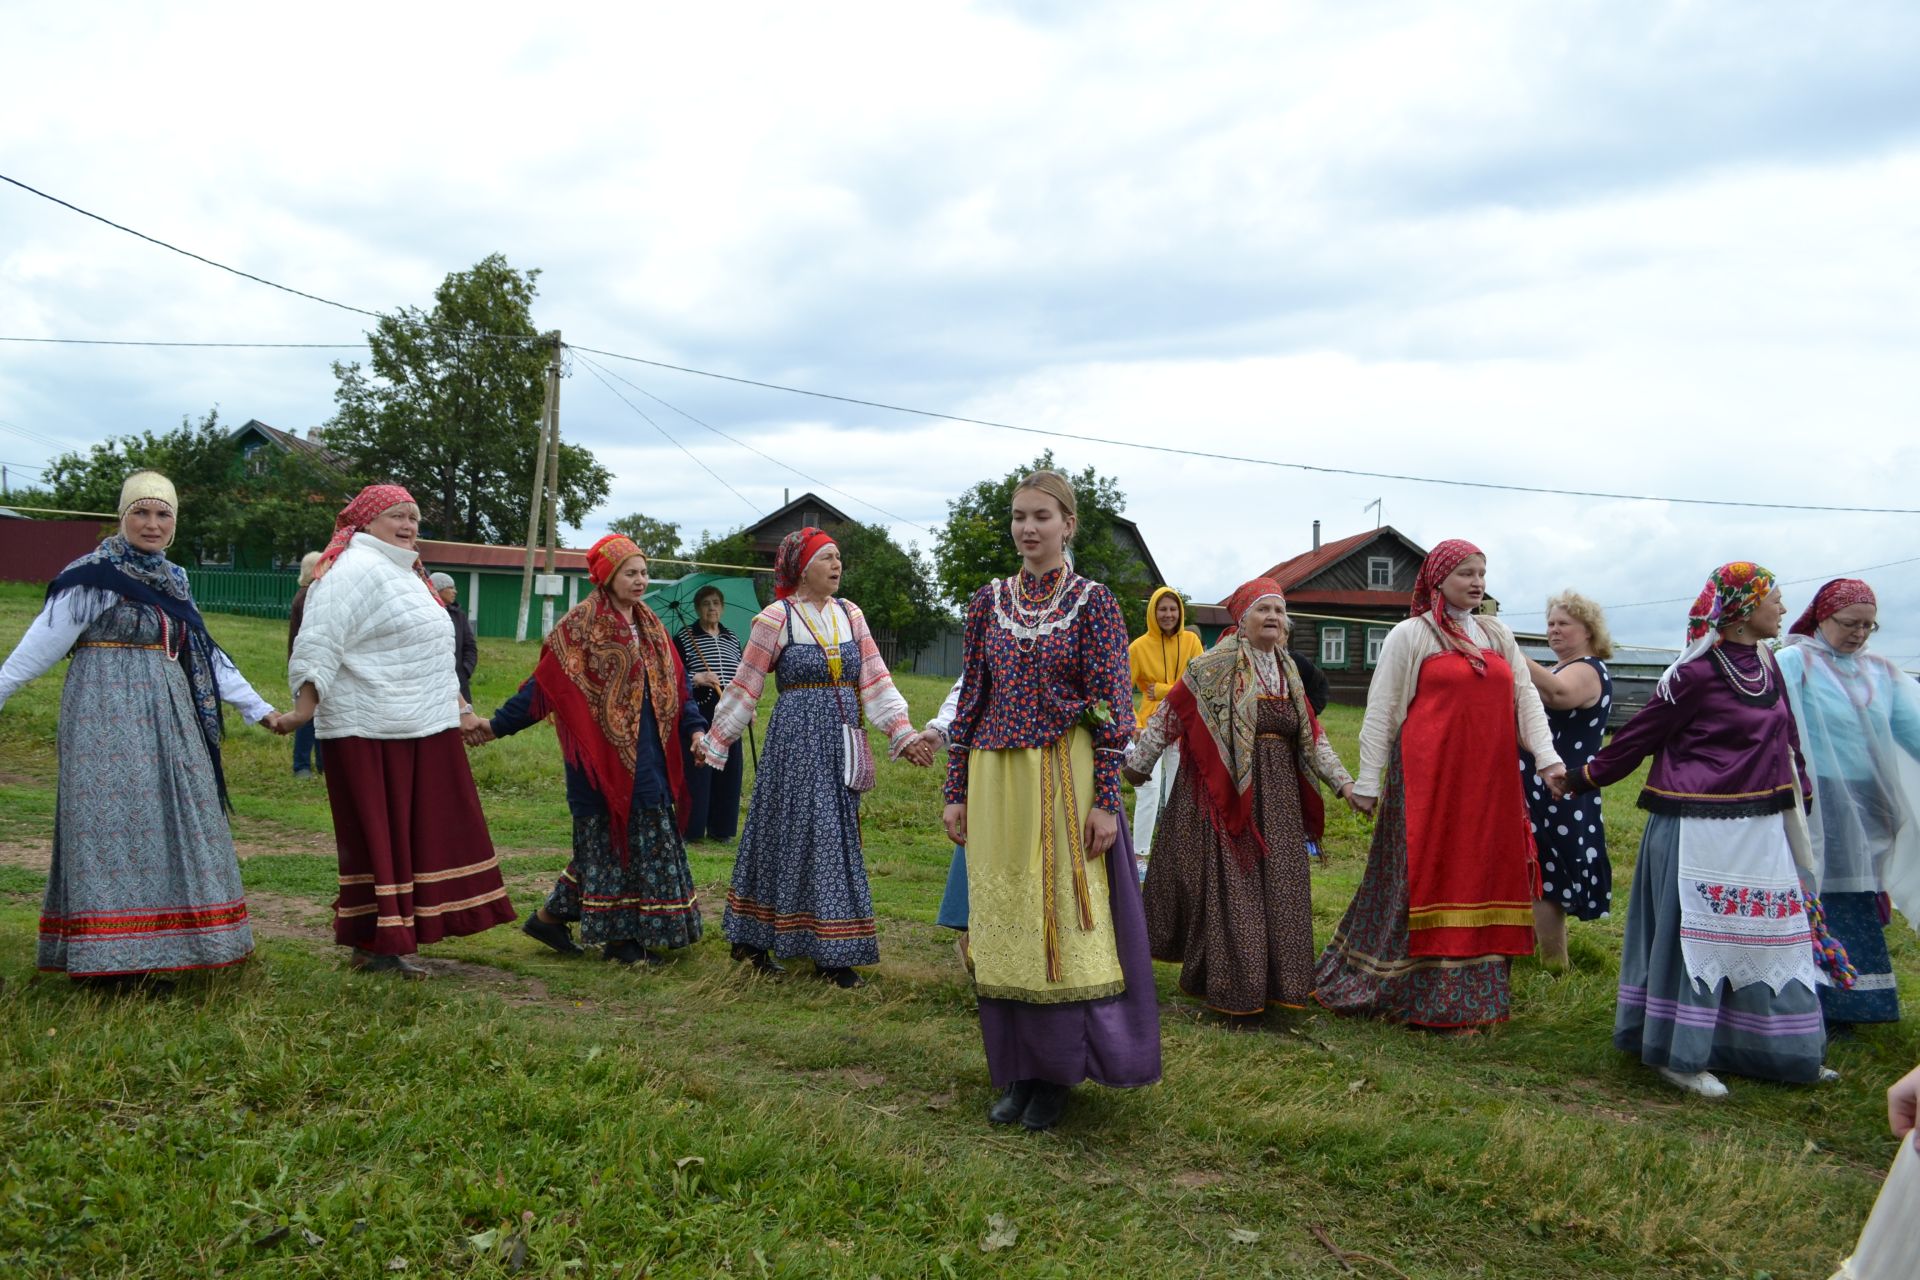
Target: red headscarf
[1428, 602]
[1732, 593]
[606, 556]
[796, 552]
[356, 516]
[1829, 600]
[1249, 594]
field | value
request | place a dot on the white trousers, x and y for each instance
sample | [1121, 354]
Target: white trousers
[1147, 800]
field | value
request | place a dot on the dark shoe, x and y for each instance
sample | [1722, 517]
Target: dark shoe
[845, 979]
[1048, 1105]
[759, 959]
[625, 951]
[655, 959]
[552, 935]
[410, 967]
[365, 961]
[1012, 1104]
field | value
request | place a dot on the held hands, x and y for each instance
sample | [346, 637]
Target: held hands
[474, 731]
[1137, 778]
[954, 818]
[1102, 829]
[1362, 805]
[279, 722]
[1555, 776]
[918, 749]
[705, 754]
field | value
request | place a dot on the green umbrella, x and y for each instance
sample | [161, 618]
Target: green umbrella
[673, 601]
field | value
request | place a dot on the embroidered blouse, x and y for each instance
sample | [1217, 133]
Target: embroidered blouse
[1718, 751]
[781, 624]
[1019, 692]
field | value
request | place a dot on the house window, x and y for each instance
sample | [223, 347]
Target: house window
[217, 557]
[1376, 639]
[1333, 646]
[1379, 573]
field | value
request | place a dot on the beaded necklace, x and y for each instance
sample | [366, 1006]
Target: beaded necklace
[1746, 686]
[1026, 618]
[832, 648]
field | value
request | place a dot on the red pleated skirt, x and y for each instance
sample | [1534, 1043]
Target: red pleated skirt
[416, 862]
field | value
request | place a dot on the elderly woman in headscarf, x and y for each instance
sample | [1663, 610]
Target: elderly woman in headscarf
[144, 878]
[1451, 878]
[1858, 717]
[373, 667]
[800, 878]
[1228, 896]
[611, 680]
[1718, 969]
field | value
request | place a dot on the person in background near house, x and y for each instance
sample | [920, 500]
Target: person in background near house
[466, 649]
[306, 748]
[1451, 879]
[1156, 661]
[1059, 944]
[1859, 720]
[1313, 680]
[953, 902]
[799, 879]
[374, 660]
[144, 879]
[1718, 968]
[711, 653]
[1228, 896]
[1569, 835]
[623, 712]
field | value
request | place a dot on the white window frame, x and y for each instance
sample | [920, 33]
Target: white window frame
[227, 563]
[1385, 566]
[1376, 641]
[1333, 645]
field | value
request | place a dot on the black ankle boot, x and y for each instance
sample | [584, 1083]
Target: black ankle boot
[843, 978]
[762, 961]
[552, 935]
[1012, 1104]
[1048, 1104]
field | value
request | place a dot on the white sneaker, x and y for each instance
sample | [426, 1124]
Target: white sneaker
[1704, 1083]
[1829, 1076]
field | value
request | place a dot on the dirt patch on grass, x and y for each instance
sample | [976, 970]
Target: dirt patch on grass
[30, 854]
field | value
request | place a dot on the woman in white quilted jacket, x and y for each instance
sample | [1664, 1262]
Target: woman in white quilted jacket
[373, 667]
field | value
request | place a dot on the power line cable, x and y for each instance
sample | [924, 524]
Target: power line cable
[595, 371]
[37, 437]
[769, 457]
[129, 342]
[1262, 462]
[1788, 582]
[22, 466]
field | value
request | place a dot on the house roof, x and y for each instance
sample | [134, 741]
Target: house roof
[473, 555]
[805, 502]
[1308, 564]
[1146, 556]
[288, 442]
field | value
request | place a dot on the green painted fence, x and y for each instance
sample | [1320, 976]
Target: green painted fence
[256, 593]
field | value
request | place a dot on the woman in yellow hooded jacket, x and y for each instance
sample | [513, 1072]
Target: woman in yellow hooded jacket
[1158, 659]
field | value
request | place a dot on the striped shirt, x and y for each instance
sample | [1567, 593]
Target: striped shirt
[719, 654]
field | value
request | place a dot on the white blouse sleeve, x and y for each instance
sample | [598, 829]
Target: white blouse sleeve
[236, 692]
[1388, 694]
[50, 637]
[943, 718]
[1536, 735]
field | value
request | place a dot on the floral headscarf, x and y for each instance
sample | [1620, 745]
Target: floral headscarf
[605, 557]
[356, 516]
[796, 552]
[1429, 603]
[1248, 595]
[1732, 593]
[1829, 600]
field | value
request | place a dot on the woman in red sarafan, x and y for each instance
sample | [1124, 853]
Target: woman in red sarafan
[1451, 878]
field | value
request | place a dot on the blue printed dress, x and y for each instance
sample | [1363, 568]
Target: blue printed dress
[800, 879]
[1570, 835]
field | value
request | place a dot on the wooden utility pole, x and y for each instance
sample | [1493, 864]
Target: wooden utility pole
[553, 480]
[548, 443]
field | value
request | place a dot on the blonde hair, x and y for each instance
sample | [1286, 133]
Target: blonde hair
[1589, 615]
[1055, 486]
[307, 563]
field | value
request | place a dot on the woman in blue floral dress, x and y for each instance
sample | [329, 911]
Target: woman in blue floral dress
[799, 879]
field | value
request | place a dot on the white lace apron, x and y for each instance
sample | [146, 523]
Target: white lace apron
[1742, 914]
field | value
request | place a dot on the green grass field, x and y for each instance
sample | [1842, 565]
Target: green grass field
[528, 1115]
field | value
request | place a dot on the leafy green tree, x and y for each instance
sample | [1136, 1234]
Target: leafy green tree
[283, 508]
[976, 544]
[655, 537]
[734, 546]
[891, 584]
[451, 408]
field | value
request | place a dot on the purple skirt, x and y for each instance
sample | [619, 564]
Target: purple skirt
[1113, 1041]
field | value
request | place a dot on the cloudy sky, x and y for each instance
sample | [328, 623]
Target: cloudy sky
[1661, 249]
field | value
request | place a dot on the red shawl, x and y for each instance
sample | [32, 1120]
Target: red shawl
[594, 672]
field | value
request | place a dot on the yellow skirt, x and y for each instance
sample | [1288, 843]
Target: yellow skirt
[1040, 926]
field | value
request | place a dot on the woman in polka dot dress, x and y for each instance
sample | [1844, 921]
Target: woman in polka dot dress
[1575, 877]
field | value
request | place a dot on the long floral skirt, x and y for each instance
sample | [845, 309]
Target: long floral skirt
[416, 862]
[144, 878]
[1367, 969]
[646, 897]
